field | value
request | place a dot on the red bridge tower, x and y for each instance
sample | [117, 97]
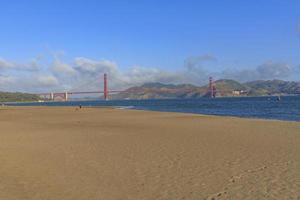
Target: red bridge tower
[105, 87]
[212, 88]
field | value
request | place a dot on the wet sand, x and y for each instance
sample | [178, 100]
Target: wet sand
[102, 153]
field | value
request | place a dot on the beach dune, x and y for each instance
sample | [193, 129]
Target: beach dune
[112, 154]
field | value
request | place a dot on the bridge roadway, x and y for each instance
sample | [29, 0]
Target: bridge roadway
[65, 95]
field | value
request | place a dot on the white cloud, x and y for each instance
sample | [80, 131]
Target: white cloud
[28, 83]
[33, 65]
[195, 62]
[61, 68]
[270, 70]
[267, 70]
[85, 65]
[139, 75]
[4, 64]
[5, 80]
[46, 81]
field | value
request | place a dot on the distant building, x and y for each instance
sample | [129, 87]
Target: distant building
[238, 92]
[235, 92]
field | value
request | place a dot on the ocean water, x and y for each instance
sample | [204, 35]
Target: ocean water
[250, 107]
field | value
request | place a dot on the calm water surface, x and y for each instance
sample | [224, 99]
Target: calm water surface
[251, 107]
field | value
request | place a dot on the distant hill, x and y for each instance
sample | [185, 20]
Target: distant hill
[225, 87]
[228, 84]
[17, 97]
[273, 87]
[159, 91]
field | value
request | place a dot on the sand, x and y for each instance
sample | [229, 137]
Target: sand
[110, 154]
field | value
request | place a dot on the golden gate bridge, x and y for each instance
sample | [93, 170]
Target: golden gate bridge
[52, 96]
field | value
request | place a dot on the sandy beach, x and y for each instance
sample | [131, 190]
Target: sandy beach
[111, 154]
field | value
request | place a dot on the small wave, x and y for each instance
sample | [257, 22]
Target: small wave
[124, 107]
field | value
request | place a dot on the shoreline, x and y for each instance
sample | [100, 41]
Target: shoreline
[160, 111]
[216, 115]
[252, 109]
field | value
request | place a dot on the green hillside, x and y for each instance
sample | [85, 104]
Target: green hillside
[17, 97]
[225, 87]
[227, 84]
[273, 87]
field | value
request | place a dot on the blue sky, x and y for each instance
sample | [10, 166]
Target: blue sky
[151, 35]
